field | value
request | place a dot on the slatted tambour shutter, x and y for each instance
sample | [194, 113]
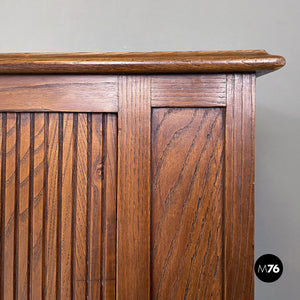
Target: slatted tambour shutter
[58, 197]
[58, 187]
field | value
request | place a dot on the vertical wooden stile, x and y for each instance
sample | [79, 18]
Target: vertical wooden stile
[239, 188]
[133, 212]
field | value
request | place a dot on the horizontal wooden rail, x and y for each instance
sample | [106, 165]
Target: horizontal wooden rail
[61, 93]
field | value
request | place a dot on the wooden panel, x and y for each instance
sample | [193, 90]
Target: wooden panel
[58, 93]
[133, 213]
[58, 205]
[239, 187]
[187, 203]
[188, 91]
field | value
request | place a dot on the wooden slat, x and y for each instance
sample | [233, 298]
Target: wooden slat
[36, 268]
[186, 204]
[66, 209]
[2, 204]
[23, 206]
[239, 189]
[188, 91]
[51, 209]
[1, 200]
[95, 165]
[58, 93]
[9, 212]
[81, 209]
[109, 211]
[133, 213]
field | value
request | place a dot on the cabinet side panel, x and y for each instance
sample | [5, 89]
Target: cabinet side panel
[239, 187]
[187, 203]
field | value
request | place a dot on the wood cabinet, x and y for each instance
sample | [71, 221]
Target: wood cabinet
[128, 175]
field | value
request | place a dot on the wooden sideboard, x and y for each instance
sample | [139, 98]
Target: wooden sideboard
[128, 175]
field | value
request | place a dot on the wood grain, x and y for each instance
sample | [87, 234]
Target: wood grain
[2, 195]
[23, 207]
[2, 204]
[58, 93]
[9, 210]
[188, 90]
[95, 201]
[239, 187]
[133, 212]
[58, 205]
[110, 207]
[37, 207]
[80, 205]
[51, 205]
[140, 62]
[135, 205]
[186, 204]
[66, 206]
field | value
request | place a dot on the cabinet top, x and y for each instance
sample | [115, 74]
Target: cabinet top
[191, 62]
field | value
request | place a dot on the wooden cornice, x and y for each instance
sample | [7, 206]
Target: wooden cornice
[193, 62]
